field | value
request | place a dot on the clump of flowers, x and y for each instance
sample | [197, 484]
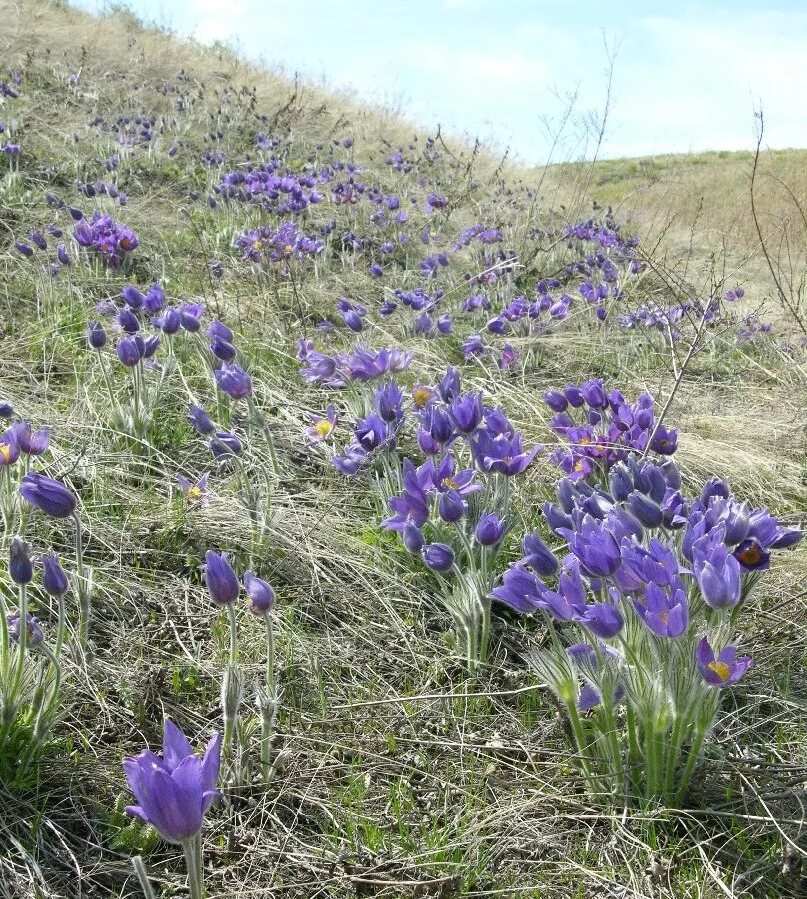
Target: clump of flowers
[601, 428]
[106, 239]
[282, 244]
[363, 364]
[641, 606]
[454, 509]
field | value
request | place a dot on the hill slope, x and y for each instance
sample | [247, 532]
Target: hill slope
[168, 209]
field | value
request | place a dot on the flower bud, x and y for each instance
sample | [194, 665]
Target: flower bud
[20, 566]
[260, 593]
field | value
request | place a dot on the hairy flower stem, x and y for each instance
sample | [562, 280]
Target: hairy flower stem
[82, 585]
[231, 692]
[702, 726]
[192, 847]
[22, 641]
[112, 401]
[45, 714]
[142, 876]
[270, 703]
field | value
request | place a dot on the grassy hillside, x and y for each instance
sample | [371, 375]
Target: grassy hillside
[167, 209]
[703, 201]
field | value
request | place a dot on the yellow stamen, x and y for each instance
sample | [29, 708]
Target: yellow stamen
[5, 451]
[323, 427]
[421, 396]
[721, 669]
[751, 555]
[194, 492]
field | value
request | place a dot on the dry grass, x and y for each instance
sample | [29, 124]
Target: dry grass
[397, 775]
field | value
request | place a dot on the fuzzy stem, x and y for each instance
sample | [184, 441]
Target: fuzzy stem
[23, 638]
[271, 685]
[82, 587]
[142, 876]
[192, 847]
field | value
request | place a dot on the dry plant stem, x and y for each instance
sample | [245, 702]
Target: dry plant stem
[772, 268]
[679, 377]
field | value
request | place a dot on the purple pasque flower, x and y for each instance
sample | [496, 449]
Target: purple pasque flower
[451, 507]
[489, 529]
[201, 422]
[47, 495]
[32, 443]
[388, 400]
[473, 346]
[222, 349]
[664, 442]
[502, 453]
[34, 634]
[221, 580]
[508, 357]
[723, 669]
[169, 322]
[716, 571]
[96, 336]
[656, 563]
[412, 537]
[9, 447]
[589, 661]
[260, 593]
[224, 444]
[466, 412]
[437, 556]
[132, 296]
[448, 387]
[445, 476]
[233, 380]
[350, 461]
[175, 790]
[664, 610]
[602, 619]
[54, 579]
[594, 546]
[20, 566]
[593, 393]
[190, 316]
[521, 590]
[649, 513]
[538, 556]
[373, 432]
[218, 330]
[323, 426]
[556, 401]
[194, 492]
[128, 351]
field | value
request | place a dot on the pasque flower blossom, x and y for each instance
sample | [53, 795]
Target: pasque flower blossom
[174, 790]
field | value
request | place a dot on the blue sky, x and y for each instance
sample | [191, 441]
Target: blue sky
[687, 76]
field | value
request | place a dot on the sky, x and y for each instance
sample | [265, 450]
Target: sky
[687, 76]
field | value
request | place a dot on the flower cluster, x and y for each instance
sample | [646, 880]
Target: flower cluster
[647, 593]
[607, 428]
[282, 244]
[363, 364]
[112, 242]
